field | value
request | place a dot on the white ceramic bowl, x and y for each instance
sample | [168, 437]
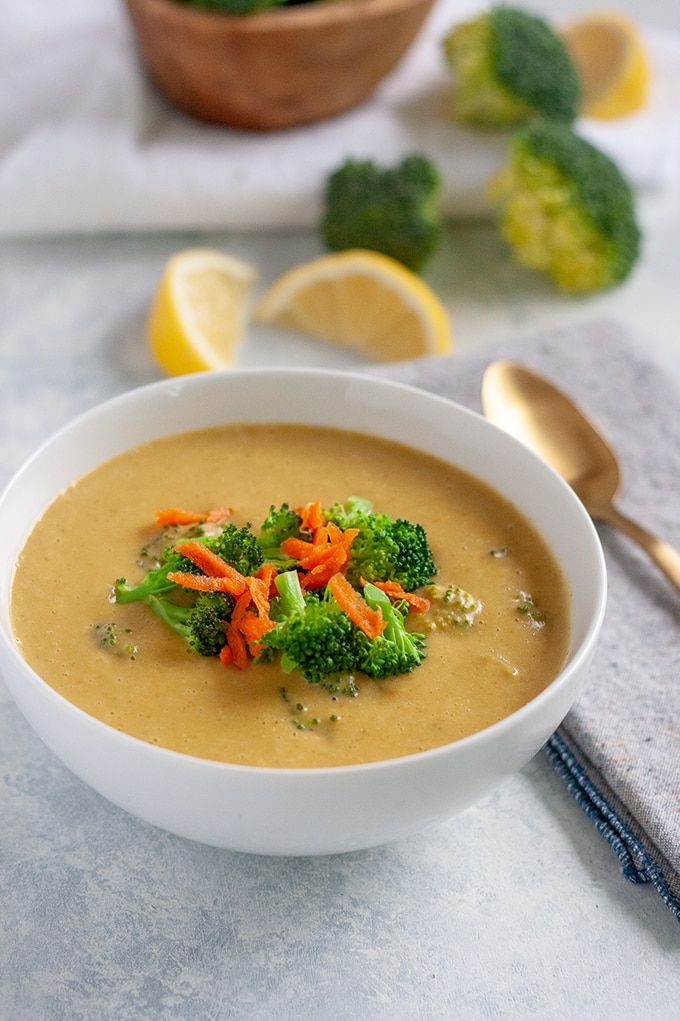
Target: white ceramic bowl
[296, 811]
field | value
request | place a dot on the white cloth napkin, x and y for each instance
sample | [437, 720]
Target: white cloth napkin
[87, 144]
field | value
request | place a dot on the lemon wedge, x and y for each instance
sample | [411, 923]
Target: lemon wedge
[612, 64]
[199, 312]
[362, 300]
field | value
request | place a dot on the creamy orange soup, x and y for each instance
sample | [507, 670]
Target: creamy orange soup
[165, 694]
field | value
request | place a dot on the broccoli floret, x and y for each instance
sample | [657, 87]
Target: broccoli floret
[155, 582]
[385, 549]
[567, 209]
[312, 633]
[510, 66]
[280, 524]
[396, 650]
[316, 637]
[238, 546]
[393, 210]
[526, 605]
[450, 607]
[202, 625]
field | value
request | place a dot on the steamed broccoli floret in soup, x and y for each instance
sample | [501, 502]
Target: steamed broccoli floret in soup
[325, 592]
[312, 633]
[386, 549]
[395, 650]
[280, 524]
[450, 607]
[202, 624]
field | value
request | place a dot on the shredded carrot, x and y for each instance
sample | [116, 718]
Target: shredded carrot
[212, 564]
[320, 574]
[226, 656]
[217, 514]
[417, 604]
[355, 606]
[204, 583]
[267, 573]
[348, 536]
[237, 646]
[177, 516]
[296, 548]
[334, 533]
[241, 605]
[253, 629]
[322, 554]
[259, 591]
[312, 515]
[325, 556]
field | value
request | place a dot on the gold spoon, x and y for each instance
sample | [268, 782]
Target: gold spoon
[532, 410]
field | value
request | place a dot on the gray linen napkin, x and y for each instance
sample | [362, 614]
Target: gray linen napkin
[619, 748]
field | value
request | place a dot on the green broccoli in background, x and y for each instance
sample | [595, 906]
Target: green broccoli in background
[392, 210]
[567, 209]
[510, 66]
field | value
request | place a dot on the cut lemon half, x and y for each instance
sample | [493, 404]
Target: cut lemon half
[612, 64]
[199, 312]
[361, 300]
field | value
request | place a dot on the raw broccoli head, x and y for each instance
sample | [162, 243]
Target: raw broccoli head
[510, 66]
[567, 209]
[392, 210]
[385, 549]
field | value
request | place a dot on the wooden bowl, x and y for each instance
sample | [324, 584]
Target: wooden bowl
[277, 68]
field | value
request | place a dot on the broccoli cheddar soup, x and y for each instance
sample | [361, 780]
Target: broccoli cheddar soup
[494, 619]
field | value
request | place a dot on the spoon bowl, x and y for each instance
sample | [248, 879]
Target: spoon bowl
[535, 412]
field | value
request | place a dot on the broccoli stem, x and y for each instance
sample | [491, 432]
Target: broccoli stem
[290, 591]
[395, 630]
[153, 583]
[173, 615]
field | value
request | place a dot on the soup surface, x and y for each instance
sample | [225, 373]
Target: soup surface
[162, 693]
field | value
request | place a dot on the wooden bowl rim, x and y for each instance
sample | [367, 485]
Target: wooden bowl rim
[322, 12]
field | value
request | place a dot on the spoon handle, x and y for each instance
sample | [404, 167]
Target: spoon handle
[663, 555]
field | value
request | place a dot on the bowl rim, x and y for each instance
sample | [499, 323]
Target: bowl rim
[173, 386]
[306, 13]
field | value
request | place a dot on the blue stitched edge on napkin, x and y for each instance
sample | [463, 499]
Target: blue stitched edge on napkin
[636, 864]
